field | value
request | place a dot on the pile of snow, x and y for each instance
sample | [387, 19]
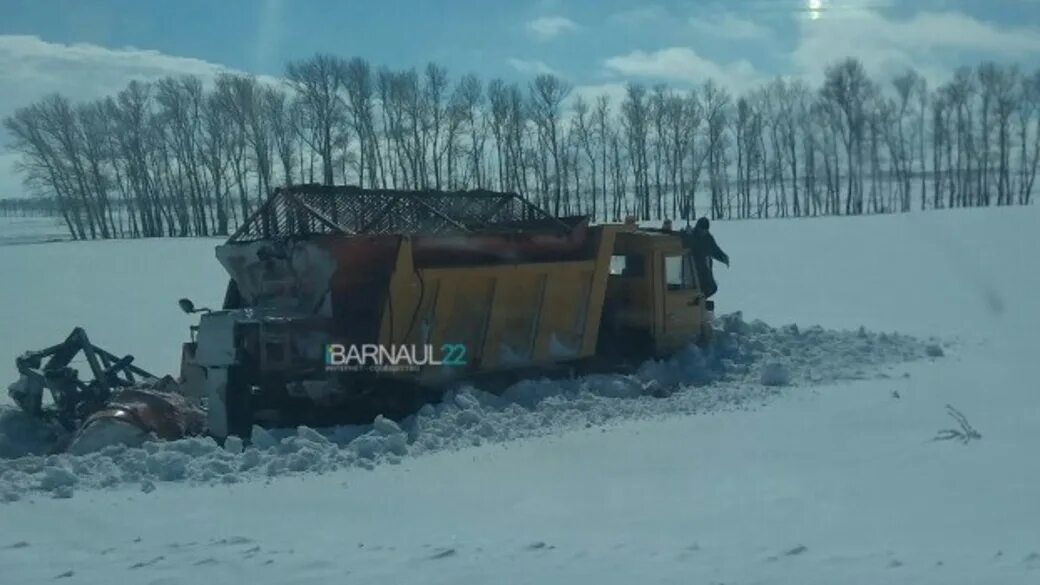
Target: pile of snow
[745, 366]
[21, 434]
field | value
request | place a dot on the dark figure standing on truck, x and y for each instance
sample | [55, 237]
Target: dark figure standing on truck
[703, 249]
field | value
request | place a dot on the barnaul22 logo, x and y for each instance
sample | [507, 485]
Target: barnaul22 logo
[377, 357]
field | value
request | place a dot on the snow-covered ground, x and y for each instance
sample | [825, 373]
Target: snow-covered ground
[30, 230]
[831, 479]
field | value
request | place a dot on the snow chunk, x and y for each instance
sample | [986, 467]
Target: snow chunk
[21, 434]
[775, 374]
[168, 465]
[262, 439]
[233, 444]
[309, 434]
[385, 426]
[57, 477]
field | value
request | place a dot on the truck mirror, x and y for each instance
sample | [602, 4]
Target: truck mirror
[187, 306]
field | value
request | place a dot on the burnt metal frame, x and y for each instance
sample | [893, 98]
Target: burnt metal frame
[70, 394]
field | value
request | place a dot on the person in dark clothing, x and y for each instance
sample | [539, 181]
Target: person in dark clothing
[704, 249]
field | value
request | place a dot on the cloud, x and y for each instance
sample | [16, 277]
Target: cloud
[683, 65]
[642, 14]
[615, 91]
[532, 66]
[31, 68]
[550, 27]
[932, 42]
[728, 26]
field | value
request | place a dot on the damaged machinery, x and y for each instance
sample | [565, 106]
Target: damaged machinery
[120, 403]
[344, 303]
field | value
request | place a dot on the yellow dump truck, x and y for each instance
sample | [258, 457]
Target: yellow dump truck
[346, 302]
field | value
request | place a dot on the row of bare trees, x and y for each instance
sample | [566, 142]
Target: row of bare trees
[181, 156]
[28, 207]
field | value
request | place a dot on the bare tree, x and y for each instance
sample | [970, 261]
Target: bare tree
[602, 121]
[40, 164]
[792, 98]
[635, 121]
[901, 143]
[1029, 110]
[1004, 89]
[846, 85]
[716, 107]
[743, 125]
[180, 102]
[214, 153]
[547, 93]
[470, 102]
[283, 117]
[357, 80]
[317, 82]
[582, 131]
[498, 102]
[658, 113]
[435, 89]
[695, 157]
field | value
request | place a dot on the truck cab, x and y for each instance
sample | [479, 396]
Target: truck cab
[653, 303]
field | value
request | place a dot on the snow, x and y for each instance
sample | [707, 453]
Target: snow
[691, 471]
[28, 230]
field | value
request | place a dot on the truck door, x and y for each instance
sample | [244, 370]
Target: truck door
[682, 302]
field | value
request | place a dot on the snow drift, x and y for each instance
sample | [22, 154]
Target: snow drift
[748, 363]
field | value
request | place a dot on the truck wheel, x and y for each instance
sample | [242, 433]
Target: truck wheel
[239, 404]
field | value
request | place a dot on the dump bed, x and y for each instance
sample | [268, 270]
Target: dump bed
[508, 299]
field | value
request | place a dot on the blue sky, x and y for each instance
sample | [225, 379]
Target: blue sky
[467, 35]
[91, 48]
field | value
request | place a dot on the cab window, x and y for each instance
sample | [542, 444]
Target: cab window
[678, 271]
[627, 266]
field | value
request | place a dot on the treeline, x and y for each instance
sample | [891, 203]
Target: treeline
[182, 157]
[28, 207]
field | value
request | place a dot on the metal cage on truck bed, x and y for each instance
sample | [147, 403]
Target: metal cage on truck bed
[301, 210]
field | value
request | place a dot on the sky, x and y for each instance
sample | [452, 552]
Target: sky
[87, 49]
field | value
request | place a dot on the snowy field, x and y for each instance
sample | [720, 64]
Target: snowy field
[833, 478]
[31, 230]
